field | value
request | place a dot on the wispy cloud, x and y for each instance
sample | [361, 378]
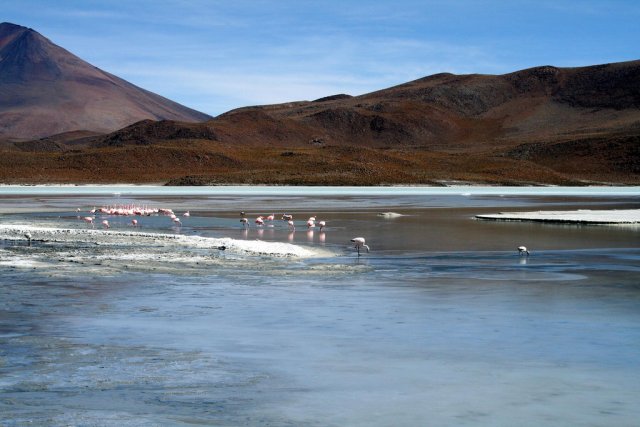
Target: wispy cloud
[215, 55]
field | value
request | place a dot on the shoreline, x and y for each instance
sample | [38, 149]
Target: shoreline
[287, 190]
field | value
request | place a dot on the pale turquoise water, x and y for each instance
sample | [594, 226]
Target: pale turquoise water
[442, 323]
[264, 190]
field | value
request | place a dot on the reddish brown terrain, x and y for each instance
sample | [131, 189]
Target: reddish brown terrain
[46, 90]
[545, 125]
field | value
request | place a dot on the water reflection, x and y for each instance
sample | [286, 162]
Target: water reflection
[438, 311]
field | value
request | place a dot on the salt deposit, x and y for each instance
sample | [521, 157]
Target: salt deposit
[582, 216]
[390, 215]
[109, 237]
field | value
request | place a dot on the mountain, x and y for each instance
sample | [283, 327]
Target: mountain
[544, 125]
[46, 90]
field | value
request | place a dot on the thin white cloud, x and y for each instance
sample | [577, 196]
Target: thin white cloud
[216, 55]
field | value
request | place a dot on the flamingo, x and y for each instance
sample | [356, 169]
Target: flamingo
[186, 214]
[322, 224]
[260, 220]
[245, 222]
[270, 217]
[522, 250]
[292, 226]
[88, 220]
[105, 223]
[312, 218]
[134, 222]
[27, 235]
[176, 221]
[360, 243]
[287, 217]
[310, 223]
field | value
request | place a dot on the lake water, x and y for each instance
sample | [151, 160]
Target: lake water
[442, 323]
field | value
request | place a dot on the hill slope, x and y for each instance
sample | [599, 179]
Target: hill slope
[542, 125]
[46, 90]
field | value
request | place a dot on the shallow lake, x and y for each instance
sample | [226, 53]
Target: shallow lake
[442, 323]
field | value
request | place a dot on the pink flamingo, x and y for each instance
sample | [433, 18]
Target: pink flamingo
[186, 214]
[287, 217]
[310, 223]
[245, 222]
[322, 225]
[105, 223]
[270, 217]
[292, 226]
[134, 222]
[176, 221]
[260, 220]
[360, 243]
[88, 220]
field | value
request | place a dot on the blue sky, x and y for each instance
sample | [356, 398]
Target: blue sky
[218, 55]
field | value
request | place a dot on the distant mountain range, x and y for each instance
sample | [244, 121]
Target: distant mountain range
[544, 125]
[46, 90]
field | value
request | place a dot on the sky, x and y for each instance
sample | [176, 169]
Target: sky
[215, 56]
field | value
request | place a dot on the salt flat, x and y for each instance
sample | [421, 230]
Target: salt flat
[582, 216]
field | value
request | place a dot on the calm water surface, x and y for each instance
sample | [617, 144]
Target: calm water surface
[442, 323]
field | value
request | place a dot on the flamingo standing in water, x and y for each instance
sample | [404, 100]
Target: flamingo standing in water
[292, 226]
[186, 214]
[245, 222]
[260, 220]
[134, 222]
[322, 224]
[105, 223]
[360, 243]
[287, 217]
[88, 220]
[270, 217]
[522, 250]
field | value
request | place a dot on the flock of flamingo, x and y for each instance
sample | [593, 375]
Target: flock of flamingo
[134, 210]
[130, 210]
[260, 221]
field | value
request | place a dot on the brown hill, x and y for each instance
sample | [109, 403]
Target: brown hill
[46, 90]
[542, 125]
